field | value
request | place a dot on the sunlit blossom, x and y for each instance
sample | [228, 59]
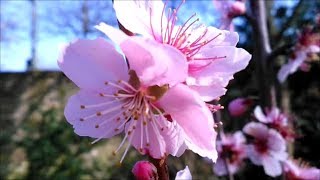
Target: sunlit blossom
[304, 52]
[211, 53]
[157, 113]
[277, 120]
[268, 148]
[297, 170]
[231, 152]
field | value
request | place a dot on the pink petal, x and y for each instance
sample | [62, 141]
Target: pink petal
[184, 174]
[221, 38]
[174, 137]
[209, 93]
[219, 168]
[291, 67]
[161, 142]
[116, 35]
[313, 49]
[84, 120]
[258, 113]
[137, 15]
[157, 144]
[272, 167]
[190, 112]
[275, 141]
[239, 138]
[253, 155]
[89, 63]
[155, 63]
[310, 174]
[257, 130]
[220, 71]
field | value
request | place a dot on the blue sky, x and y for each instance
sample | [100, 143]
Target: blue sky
[52, 33]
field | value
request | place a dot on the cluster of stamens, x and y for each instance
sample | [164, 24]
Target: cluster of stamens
[179, 37]
[134, 106]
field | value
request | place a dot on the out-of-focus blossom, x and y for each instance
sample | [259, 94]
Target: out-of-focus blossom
[276, 120]
[231, 152]
[184, 174]
[228, 10]
[295, 171]
[144, 170]
[211, 53]
[267, 149]
[239, 106]
[113, 98]
[304, 53]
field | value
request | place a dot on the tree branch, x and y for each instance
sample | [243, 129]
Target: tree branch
[262, 50]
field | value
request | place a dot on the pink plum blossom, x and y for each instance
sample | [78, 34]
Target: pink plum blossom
[295, 171]
[276, 120]
[114, 99]
[239, 106]
[267, 149]
[184, 174]
[304, 52]
[231, 152]
[144, 170]
[211, 53]
[229, 9]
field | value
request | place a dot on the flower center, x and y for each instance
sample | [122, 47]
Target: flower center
[135, 110]
[261, 145]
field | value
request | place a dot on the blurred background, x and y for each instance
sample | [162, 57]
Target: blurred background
[37, 143]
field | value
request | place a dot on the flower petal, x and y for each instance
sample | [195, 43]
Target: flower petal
[89, 63]
[137, 16]
[258, 113]
[161, 141]
[291, 67]
[254, 155]
[276, 142]
[147, 138]
[209, 93]
[219, 168]
[190, 112]
[84, 119]
[257, 130]
[220, 71]
[116, 35]
[221, 38]
[271, 166]
[184, 174]
[155, 63]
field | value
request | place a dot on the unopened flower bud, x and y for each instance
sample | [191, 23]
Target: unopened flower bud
[144, 170]
[239, 106]
[237, 8]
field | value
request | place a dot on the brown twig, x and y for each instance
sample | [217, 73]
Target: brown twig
[162, 167]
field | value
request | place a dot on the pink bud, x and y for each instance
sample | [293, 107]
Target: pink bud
[237, 8]
[239, 106]
[144, 170]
